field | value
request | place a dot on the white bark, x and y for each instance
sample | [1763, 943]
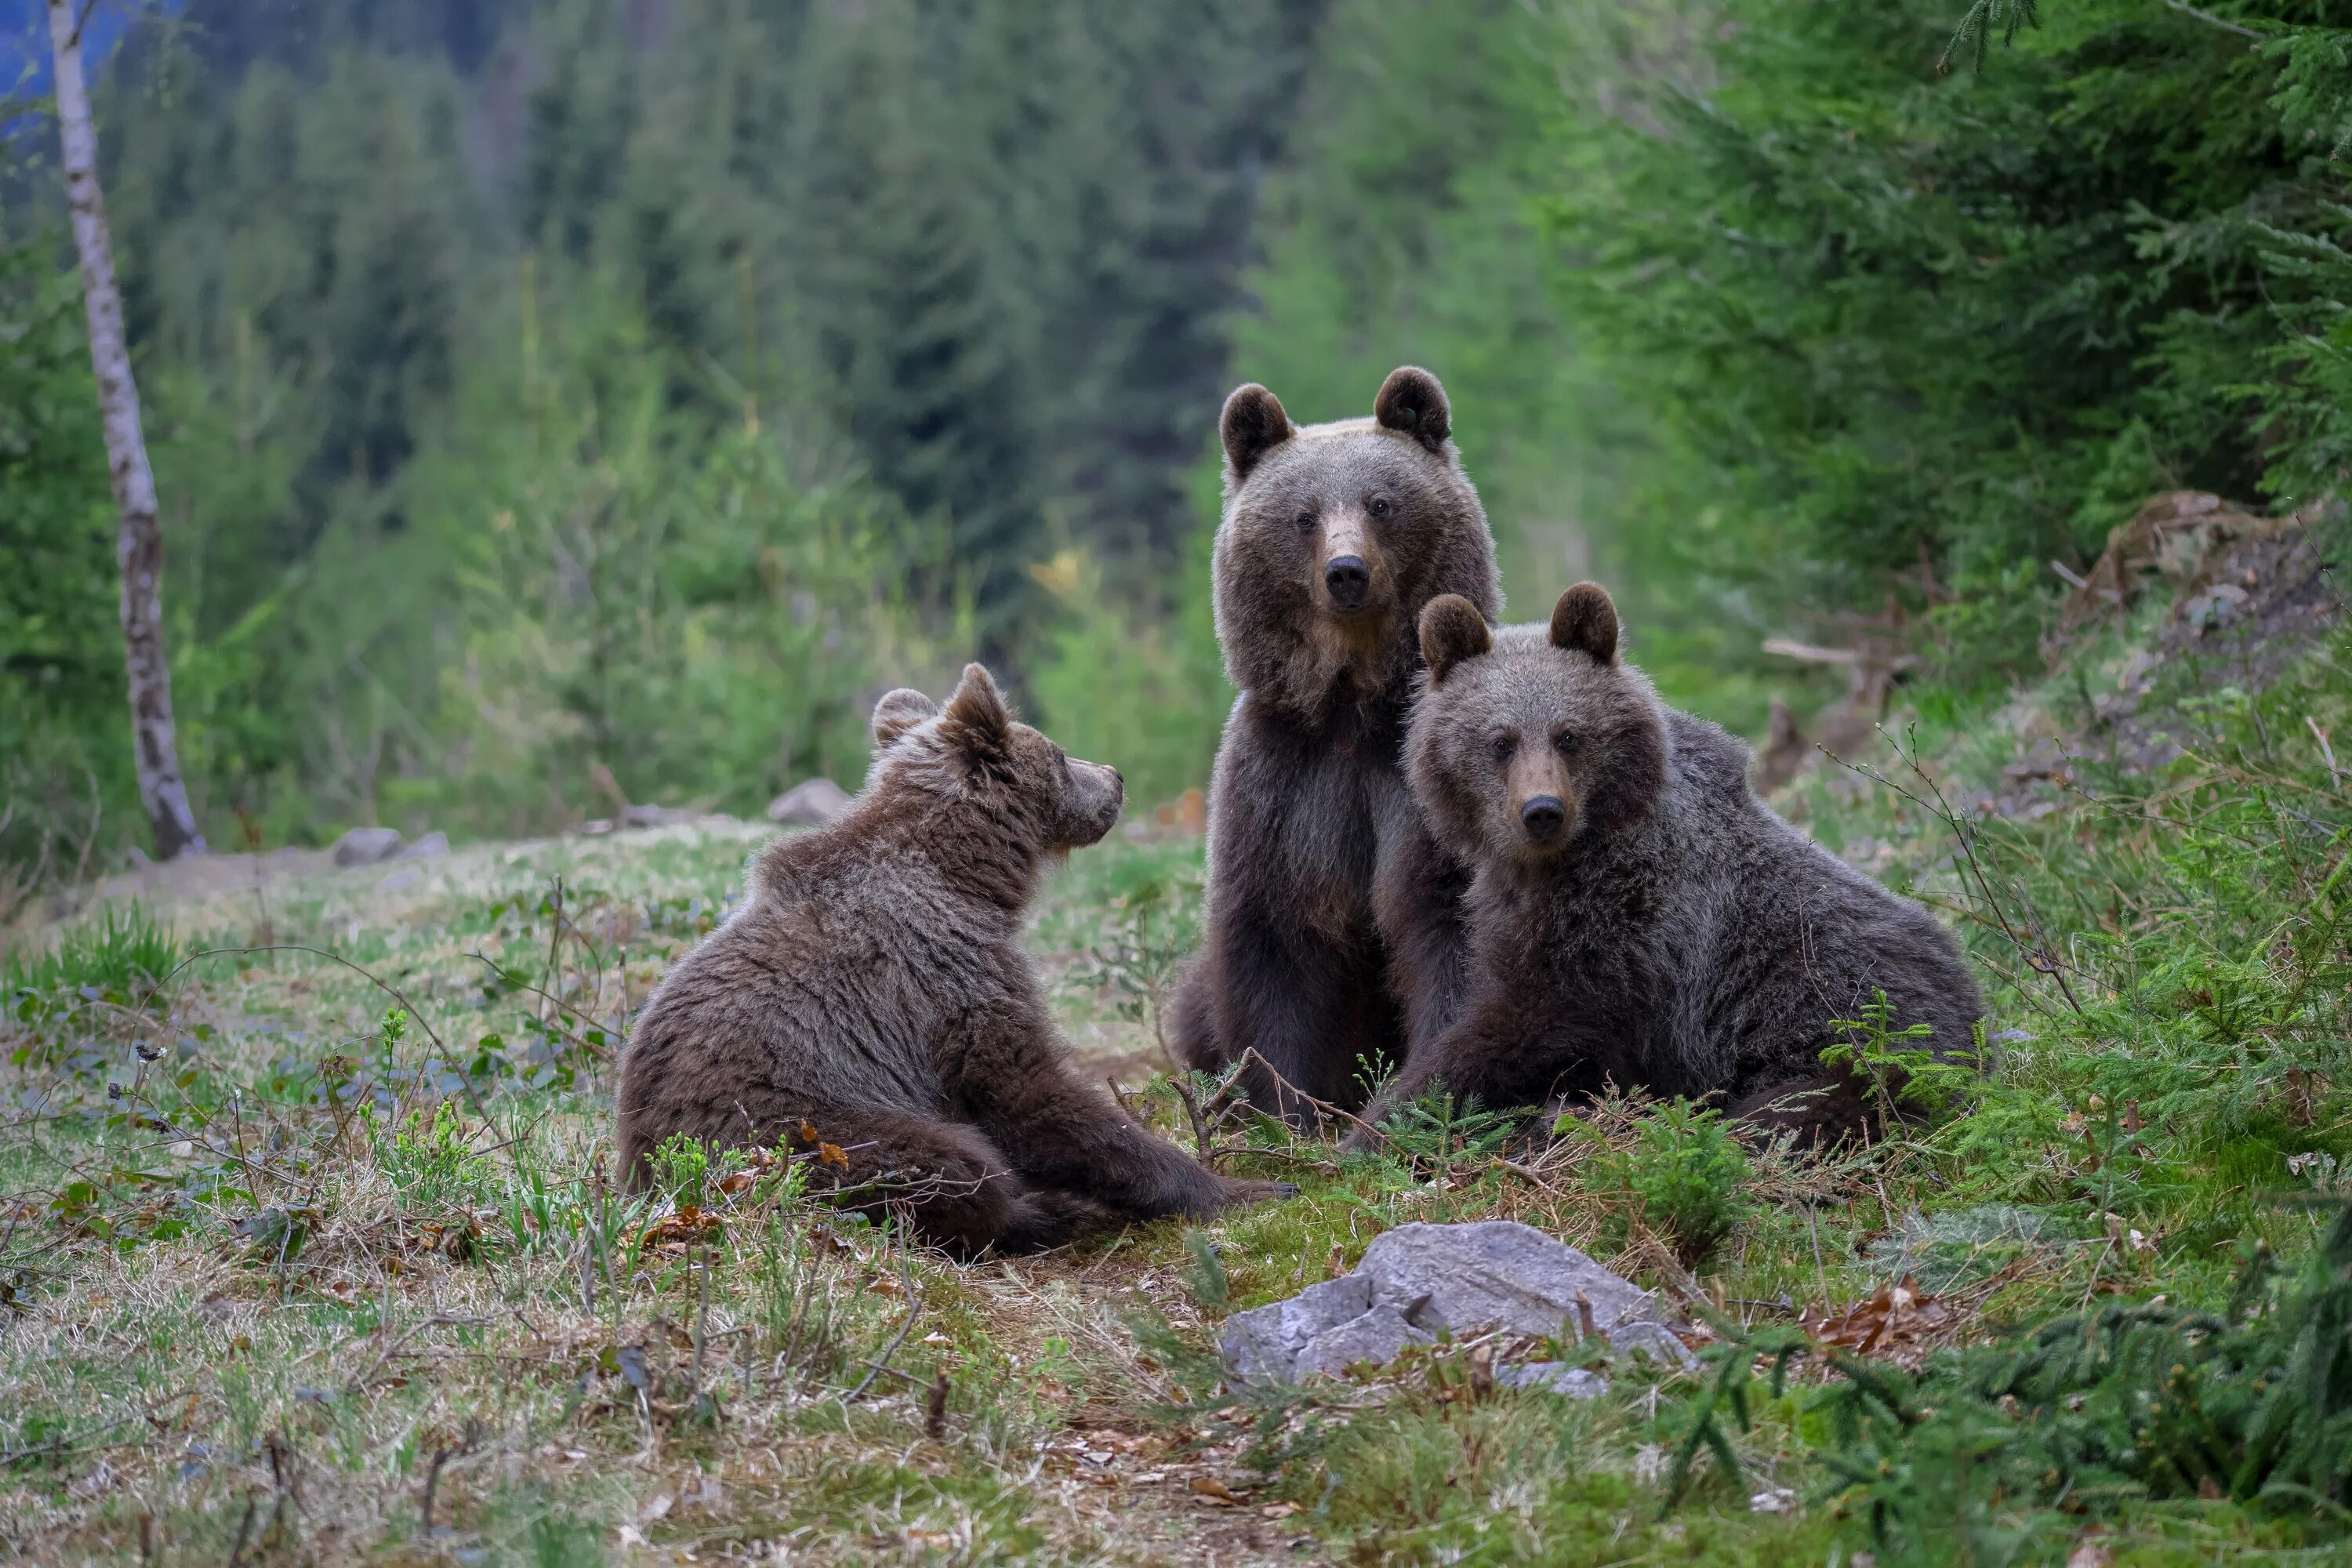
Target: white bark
[139, 545]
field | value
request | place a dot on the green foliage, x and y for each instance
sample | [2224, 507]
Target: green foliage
[122, 956]
[1919, 335]
[1121, 683]
[431, 1162]
[1975, 1458]
[1204, 1273]
[1438, 1129]
[1899, 1065]
[784, 340]
[1685, 1174]
[681, 1168]
[66, 750]
[2175, 942]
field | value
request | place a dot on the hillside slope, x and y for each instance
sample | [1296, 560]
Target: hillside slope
[308, 1253]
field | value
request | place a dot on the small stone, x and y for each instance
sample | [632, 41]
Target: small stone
[1418, 1281]
[812, 803]
[657, 816]
[367, 845]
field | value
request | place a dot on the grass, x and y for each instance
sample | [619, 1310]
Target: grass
[307, 1254]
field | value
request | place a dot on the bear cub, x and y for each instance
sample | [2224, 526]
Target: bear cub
[1636, 915]
[871, 993]
[1327, 902]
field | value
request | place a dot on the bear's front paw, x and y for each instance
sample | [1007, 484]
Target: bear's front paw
[1232, 1192]
[1364, 1138]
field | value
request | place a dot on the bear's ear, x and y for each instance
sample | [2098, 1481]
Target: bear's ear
[1452, 630]
[976, 717]
[1584, 621]
[1254, 425]
[899, 711]
[1411, 402]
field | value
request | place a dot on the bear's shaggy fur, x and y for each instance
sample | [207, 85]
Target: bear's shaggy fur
[872, 991]
[1637, 916]
[1334, 536]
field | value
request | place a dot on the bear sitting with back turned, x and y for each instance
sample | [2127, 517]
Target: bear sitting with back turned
[1327, 903]
[1637, 916]
[872, 989]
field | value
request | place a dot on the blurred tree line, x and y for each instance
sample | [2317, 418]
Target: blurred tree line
[541, 384]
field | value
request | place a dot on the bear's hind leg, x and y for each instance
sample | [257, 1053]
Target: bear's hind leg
[1823, 1108]
[1192, 1018]
[945, 1180]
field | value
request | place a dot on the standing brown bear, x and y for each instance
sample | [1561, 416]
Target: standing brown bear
[1637, 916]
[1327, 902]
[872, 989]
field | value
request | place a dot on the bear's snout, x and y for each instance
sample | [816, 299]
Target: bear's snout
[1543, 817]
[1100, 795]
[1349, 581]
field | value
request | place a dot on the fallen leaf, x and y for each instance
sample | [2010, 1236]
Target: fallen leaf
[675, 1231]
[2091, 1552]
[1279, 1510]
[832, 1154]
[1899, 1317]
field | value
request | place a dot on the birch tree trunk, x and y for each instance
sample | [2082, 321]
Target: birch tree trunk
[139, 545]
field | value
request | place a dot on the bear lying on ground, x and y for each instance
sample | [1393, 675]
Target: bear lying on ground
[1326, 898]
[1636, 915]
[872, 988]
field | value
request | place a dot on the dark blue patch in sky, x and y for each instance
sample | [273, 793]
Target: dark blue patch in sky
[25, 39]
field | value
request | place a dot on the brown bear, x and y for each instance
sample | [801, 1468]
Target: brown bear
[1327, 905]
[1636, 915]
[872, 990]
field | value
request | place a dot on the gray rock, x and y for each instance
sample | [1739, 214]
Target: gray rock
[367, 845]
[1419, 1280]
[1555, 1377]
[431, 847]
[812, 803]
[1263, 1343]
[1379, 1336]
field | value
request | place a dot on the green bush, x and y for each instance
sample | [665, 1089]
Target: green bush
[124, 956]
[1685, 1175]
[431, 1162]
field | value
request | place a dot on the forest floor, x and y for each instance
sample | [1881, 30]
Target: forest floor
[307, 1253]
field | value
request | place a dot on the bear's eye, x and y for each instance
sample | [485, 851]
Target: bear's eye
[1379, 506]
[1504, 747]
[1306, 519]
[1564, 742]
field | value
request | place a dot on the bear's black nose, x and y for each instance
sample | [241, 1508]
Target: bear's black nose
[1543, 817]
[1349, 580]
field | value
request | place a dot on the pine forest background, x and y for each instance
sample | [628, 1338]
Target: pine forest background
[545, 390]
